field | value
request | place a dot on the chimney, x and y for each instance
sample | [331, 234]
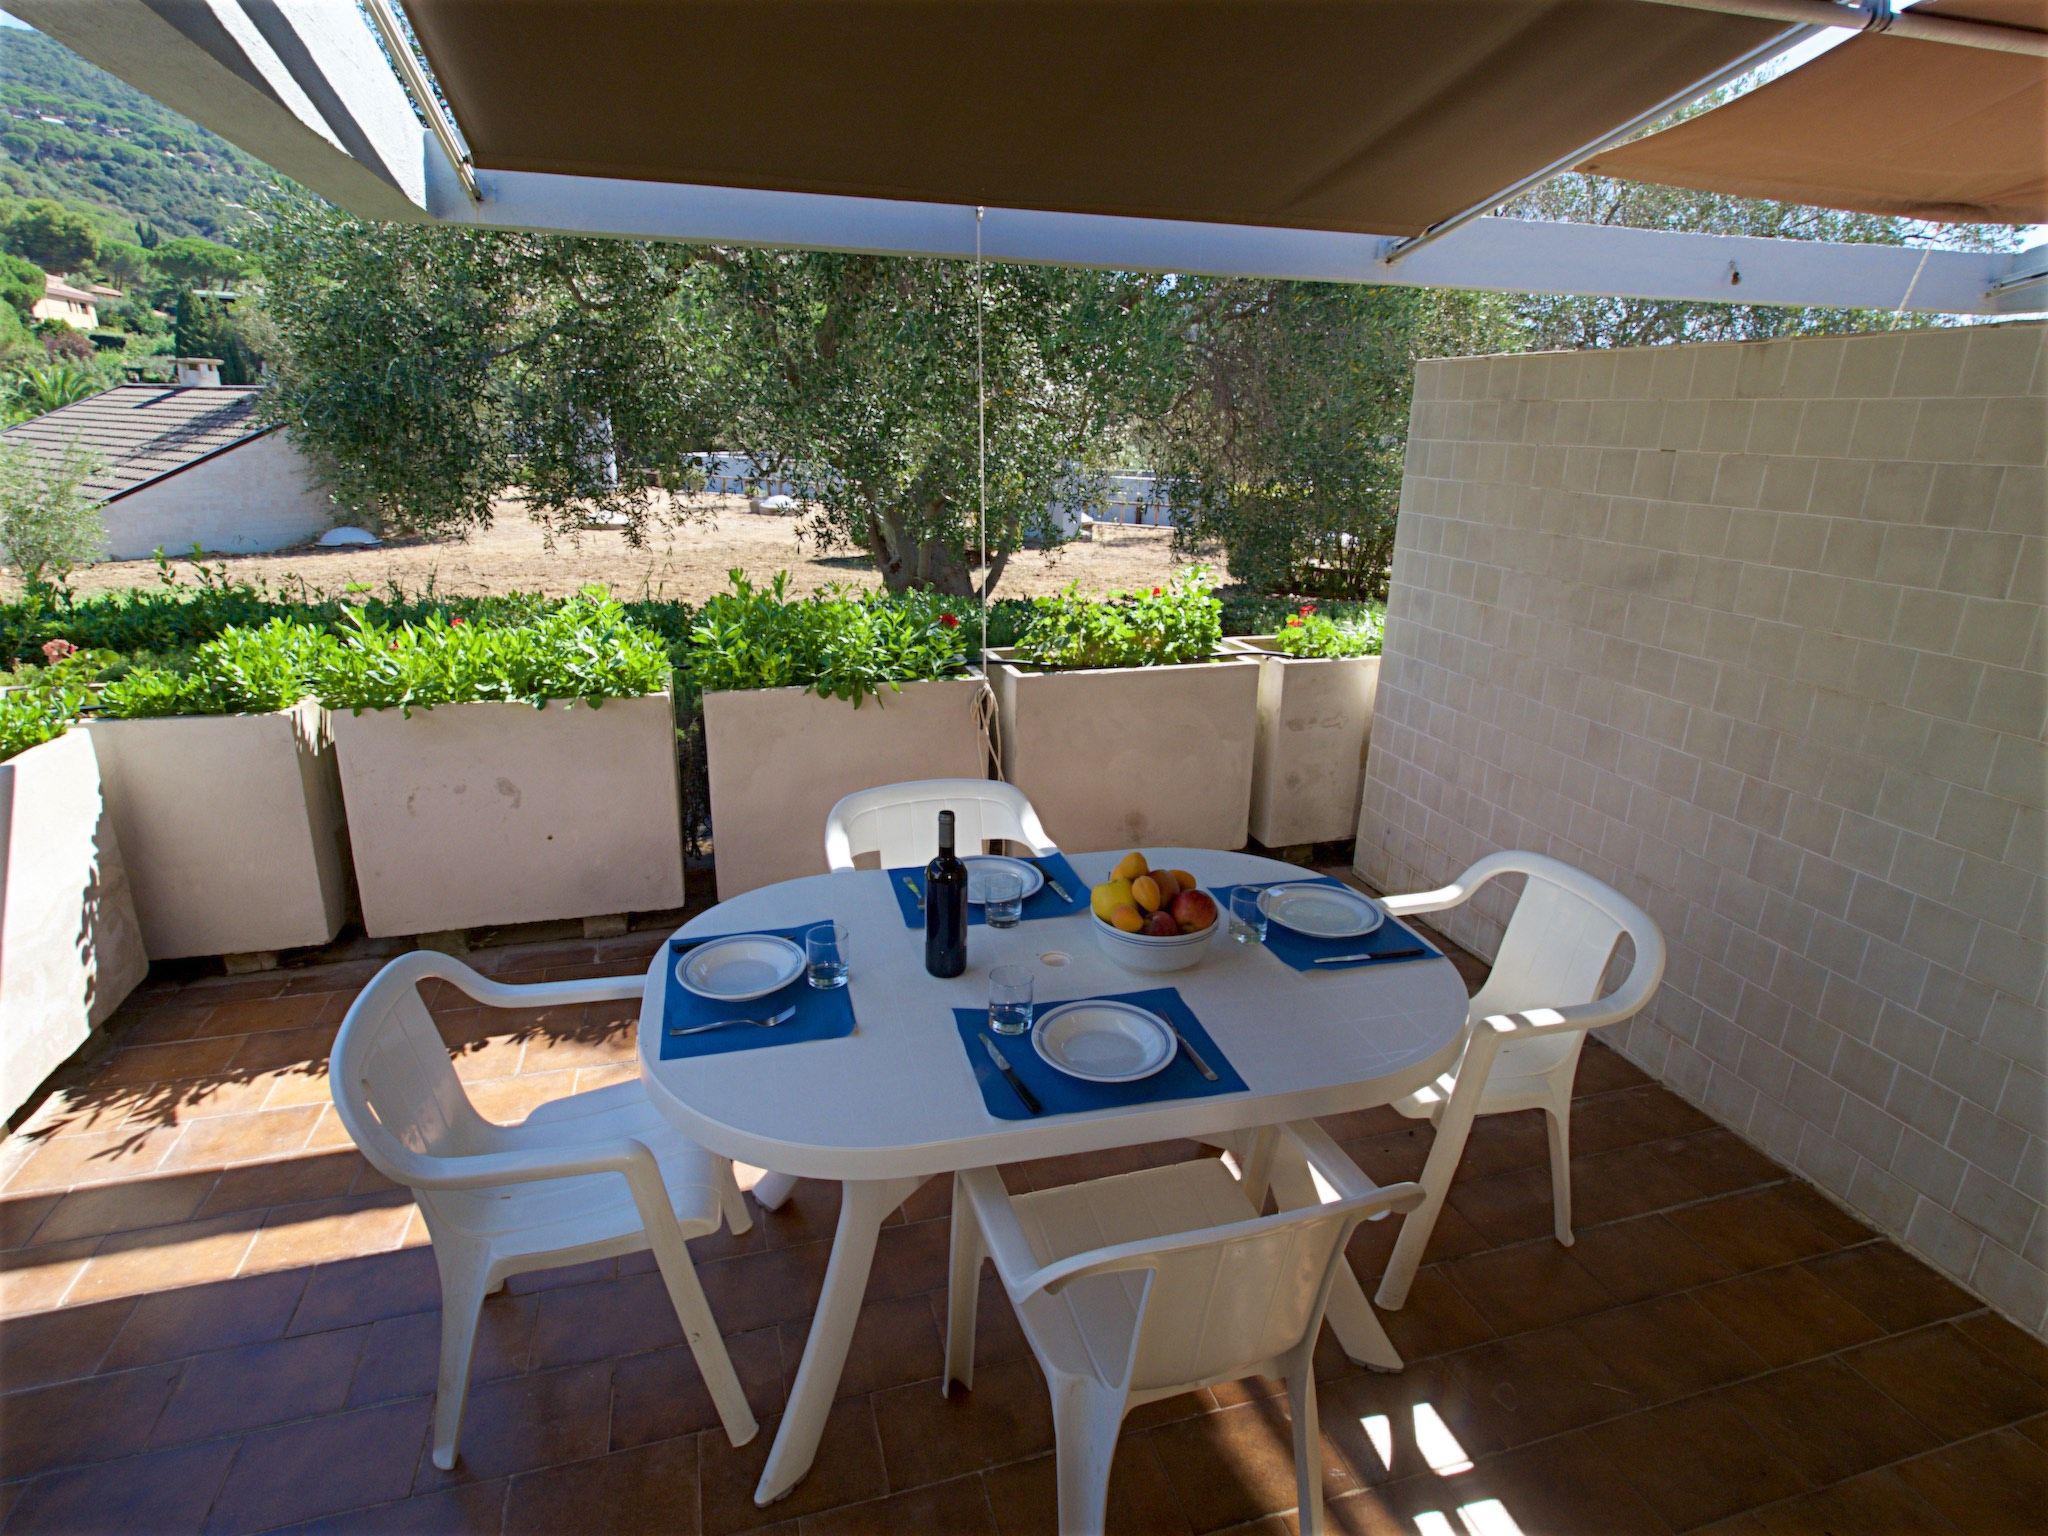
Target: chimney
[196, 372]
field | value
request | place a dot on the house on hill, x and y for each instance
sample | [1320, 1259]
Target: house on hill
[60, 301]
[186, 463]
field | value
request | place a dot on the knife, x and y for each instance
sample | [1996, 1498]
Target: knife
[1024, 1095]
[916, 892]
[1194, 1056]
[1059, 890]
[1413, 952]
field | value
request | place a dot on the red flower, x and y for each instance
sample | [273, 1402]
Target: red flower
[1155, 591]
[453, 622]
[1306, 609]
[1294, 621]
[56, 650]
[949, 621]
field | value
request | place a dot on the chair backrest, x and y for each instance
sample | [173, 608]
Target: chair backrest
[899, 823]
[1211, 1305]
[394, 1086]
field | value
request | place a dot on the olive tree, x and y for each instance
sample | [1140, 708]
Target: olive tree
[49, 522]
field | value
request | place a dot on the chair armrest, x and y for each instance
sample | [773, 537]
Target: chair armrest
[483, 1170]
[530, 994]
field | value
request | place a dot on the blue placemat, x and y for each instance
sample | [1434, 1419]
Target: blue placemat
[1040, 903]
[1302, 951]
[1064, 1095]
[819, 1015]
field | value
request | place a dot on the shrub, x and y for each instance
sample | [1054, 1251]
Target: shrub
[1167, 626]
[837, 645]
[586, 648]
[1309, 633]
[43, 707]
[49, 522]
[243, 672]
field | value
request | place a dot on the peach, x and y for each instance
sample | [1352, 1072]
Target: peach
[1194, 910]
[1168, 883]
[1162, 926]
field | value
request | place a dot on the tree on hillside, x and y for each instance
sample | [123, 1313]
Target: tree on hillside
[192, 261]
[204, 327]
[122, 263]
[854, 377]
[52, 236]
[21, 282]
[431, 370]
[1285, 437]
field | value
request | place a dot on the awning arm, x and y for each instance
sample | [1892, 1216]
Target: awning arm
[1402, 249]
[1956, 30]
[421, 90]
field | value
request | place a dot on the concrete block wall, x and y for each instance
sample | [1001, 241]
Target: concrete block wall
[1754, 632]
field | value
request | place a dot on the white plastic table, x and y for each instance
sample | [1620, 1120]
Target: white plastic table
[896, 1103]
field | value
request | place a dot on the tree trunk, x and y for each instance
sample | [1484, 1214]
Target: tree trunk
[918, 565]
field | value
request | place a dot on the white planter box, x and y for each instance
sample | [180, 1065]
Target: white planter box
[1132, 757]
[1308, 765]
[70, 949]
[780, 758]
[490, 813]
[232, 829]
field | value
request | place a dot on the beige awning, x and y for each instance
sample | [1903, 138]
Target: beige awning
[1370, 116]
[1877, 125]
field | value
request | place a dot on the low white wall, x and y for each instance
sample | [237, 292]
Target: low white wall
[259, 495]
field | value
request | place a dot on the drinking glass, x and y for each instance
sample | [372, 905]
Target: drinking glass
[1009, 999]
[1004, 903]
[1247, 917]
[825, 956]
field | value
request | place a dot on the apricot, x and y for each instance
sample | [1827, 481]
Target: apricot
[1126, 917]
[1129, 867]
[1187, 881]
[1149, 894]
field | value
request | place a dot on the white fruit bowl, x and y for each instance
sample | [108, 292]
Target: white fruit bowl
[1154, 953]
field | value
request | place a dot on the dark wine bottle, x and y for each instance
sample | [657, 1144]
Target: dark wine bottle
[945, 907]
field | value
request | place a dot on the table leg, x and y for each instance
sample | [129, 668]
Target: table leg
[1349, 1314]
[863, 1206]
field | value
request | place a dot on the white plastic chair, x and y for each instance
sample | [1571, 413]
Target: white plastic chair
[1153, 1283]
[590, 1176]
[900, 822]
[1526, 1025]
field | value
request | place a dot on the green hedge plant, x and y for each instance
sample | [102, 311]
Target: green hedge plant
[838, 645]
[1309, 633]
[242, 672]
[44, 703]
[585, 649]
[1165, 626]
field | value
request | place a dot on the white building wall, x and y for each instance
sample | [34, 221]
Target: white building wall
[259, 495]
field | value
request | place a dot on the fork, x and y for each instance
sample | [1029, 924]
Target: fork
[697, 1029]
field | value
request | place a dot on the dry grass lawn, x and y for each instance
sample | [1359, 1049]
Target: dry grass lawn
[688, 561]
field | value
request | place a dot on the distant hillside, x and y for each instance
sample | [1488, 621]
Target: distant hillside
[71, 131]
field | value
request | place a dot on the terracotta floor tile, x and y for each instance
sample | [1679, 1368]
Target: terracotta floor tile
[1626, 1118]
[848, 1470]
[509, 1100]
[894, 1342]
[1498, 1144]
[661, 1394]
[1993, 1483]
[1875, 1502]
[1237, 1464]
[525, 1422]
[468, 1509]
[139, 1263]
[1453, 1237]
[97, 1418]
[1531, 1285]
[1024, 1495]
[1897, 1291]
[957, 1508]
[1786, 1315]
[66, 1161]
[153, 1200]
[20, 1215]
[57, 1346]
[363, 1290]
[1696, 1460]
[1823, 1418]
[1841, 1229]
[229, 1092]
[759, 1289]
[290, 1086]
[928, 1436]
[1355, 1124]
[166, 1064]
[285, 1181]
[1947, 1383]
[650, 1490]
[276, 1050]
[259, 1136]
[910, 1260]
[1435, 1318]
[2006, 1344]
[1718, 1162]
[321, 1467]
[1558, 1487]
[1602, 1068]
[997, 1334]
[291, 1010]
[168, 1325]
[1532, 1386]
[1667, 1347]
[401, 1356]
[1752, 1230]
[1629, 1181]
[316, 1231]
[274, 1382]
[620, 1316]
[1643, 1257]
[1507, 1207]
[36, 1279]
[172, 1020]
[1392, 1156]
[159, 1491]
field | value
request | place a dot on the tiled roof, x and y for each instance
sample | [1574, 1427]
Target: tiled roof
[55, 289]
[143, 432]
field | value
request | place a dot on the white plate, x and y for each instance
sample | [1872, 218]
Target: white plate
[1321, 911]
[981, 865]
[741, 968]
[1103, 1042]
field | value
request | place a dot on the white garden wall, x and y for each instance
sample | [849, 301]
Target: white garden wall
[260, 494]
[1755, 633]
